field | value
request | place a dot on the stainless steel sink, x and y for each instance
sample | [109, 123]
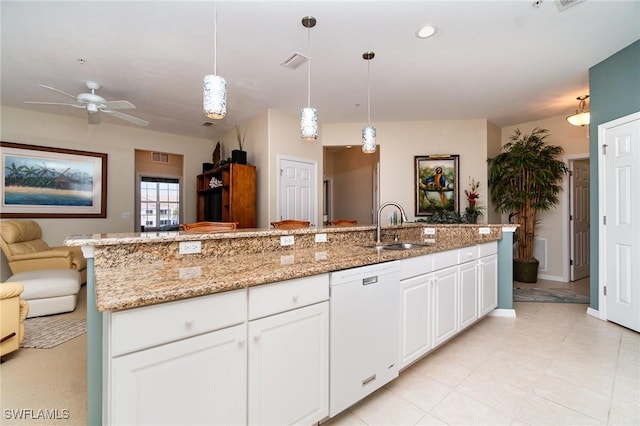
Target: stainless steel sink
[399, 246]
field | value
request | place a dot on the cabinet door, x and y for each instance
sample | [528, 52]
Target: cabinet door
[445, 304]
[289, 367]
[488, 284]
[198, 380]
[468, 293]
[416, 327]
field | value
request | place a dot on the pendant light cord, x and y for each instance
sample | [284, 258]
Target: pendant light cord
[215, 39]
[369, 92]
[309, 68]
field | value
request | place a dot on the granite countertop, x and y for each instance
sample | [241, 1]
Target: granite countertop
[134, 270]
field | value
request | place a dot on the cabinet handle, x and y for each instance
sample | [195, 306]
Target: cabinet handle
[370, 280]
[189, 322]
[257, 336]
[296, 297]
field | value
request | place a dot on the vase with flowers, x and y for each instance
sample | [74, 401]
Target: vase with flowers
[473, 210]
[239, 156]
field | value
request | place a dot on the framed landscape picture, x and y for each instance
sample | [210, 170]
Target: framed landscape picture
[436, 183]
[40, 181]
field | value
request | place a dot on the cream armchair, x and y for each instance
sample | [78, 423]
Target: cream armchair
[25, 250]
[13, 312]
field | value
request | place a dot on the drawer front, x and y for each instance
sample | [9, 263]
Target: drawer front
[414, 266]
[487, 249]
[140, 328]
[444, 259]
[269, 299]
[467, 254]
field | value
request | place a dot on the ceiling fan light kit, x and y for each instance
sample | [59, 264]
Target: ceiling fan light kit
[309, 115]
[94, 104]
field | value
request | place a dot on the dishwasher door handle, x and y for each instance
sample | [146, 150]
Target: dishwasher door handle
[370, 280]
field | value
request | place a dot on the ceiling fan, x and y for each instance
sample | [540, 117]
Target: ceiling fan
[94, 104]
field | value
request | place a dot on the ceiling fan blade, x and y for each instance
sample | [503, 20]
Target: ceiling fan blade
[129, 118]
[57, 90]
[94, 117]
[55, 103]
[119, 105]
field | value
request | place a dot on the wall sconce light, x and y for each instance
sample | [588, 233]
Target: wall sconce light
[309, 115]
[582, 117]
[369, 132]
[214, 86]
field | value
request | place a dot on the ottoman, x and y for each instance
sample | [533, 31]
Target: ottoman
[50, 291]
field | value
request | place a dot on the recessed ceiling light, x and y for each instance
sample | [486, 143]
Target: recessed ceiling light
[426, 31]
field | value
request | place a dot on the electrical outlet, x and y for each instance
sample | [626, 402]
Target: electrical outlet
[286, 260]
[286, 240]
[321, 255]
[189, 272]
[189, 247]
[429, 240]
[484, 231]
[321, 238]
[429, 231]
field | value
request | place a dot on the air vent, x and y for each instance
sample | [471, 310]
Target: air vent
[207, 123]
[566, 4]
[159, 157]
[294, 60]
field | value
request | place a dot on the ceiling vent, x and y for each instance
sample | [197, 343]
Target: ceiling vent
[159, 157]
[294, 60]
[566, 4]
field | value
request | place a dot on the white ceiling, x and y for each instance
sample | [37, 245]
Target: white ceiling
[506, 61]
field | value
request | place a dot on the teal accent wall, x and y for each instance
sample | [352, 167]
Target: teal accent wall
[614, 89]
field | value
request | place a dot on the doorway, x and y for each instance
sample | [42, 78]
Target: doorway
[353, 178]
[298, 186]
[579, 234]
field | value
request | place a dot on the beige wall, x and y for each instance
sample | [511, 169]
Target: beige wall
[553, 225]
[120, 143]
[399, 142]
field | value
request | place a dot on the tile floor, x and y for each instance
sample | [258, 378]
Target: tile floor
[551, 365]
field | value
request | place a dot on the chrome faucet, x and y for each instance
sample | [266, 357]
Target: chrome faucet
[403, 218]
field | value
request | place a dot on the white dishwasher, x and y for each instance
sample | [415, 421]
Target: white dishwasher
[364, 332]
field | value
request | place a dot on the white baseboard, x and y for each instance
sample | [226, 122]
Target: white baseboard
[593, 312]
[551, 277]
[505, 313]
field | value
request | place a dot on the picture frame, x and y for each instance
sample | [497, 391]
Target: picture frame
[47, 182]
[436, 183]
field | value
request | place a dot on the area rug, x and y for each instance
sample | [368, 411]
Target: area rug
[48, 332]
[548, 295]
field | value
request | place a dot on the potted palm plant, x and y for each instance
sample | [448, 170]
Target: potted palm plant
[525, 179]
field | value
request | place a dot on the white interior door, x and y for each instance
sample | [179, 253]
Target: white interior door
[298, 189]
[579, 219]
[619, 144]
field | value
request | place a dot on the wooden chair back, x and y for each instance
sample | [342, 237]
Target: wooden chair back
[344, 222]
[209, 226]
[290, 224]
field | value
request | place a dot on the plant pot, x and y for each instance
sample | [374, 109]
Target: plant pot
[525, 270]
[239, 157]
[472, 218]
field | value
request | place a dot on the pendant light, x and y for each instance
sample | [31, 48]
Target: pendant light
[215, 86]
[309, 115]
[581, 117]
[369, 132]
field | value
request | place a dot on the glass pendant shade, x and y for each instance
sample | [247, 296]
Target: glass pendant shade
[369, 140]
[582, 117]
[309, 124]
[214, 96]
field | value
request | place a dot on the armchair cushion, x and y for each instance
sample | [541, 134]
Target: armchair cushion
[22, 244]
[13, 312]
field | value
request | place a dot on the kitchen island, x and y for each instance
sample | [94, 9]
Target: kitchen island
[130, 271]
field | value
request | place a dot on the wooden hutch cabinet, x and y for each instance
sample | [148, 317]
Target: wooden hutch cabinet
[228, 194]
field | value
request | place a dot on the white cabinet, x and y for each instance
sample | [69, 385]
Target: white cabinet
[488, 277]
[445, 304]
[468, 285]
[198, 380]
[181, 362]
[289, 352]
[416, 306]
